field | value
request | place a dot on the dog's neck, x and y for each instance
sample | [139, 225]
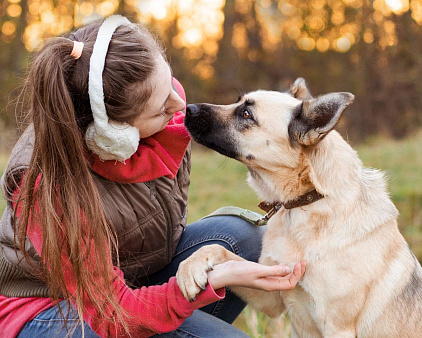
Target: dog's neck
[352, 194]
[282, 185]
[331, 168]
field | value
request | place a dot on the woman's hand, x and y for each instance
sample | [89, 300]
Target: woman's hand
[256, 276]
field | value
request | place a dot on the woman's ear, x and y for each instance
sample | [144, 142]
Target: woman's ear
[315, 118]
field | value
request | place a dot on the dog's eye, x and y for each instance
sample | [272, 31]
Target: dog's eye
[246, 114]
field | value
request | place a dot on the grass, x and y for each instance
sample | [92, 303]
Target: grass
[402, 163]
[217, 181]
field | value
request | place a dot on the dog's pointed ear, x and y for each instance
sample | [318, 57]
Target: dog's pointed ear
[315, 118]
[300, 90]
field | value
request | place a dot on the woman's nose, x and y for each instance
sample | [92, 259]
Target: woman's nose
[177, 103]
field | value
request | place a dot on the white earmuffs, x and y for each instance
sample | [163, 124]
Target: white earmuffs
[110, 140]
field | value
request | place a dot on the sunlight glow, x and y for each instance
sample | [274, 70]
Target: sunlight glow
[106, 8]
[343, 44]
[306, 43]
[416, 7]
[398, 6]
[86, 8]
[320, 25]
[14, 10]
[322, 45]
[159, 12]
[192, 37]
[8, 28]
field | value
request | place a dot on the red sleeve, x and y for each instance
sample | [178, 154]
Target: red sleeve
[153, 309]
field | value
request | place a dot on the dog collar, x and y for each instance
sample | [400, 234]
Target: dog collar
[272, 208]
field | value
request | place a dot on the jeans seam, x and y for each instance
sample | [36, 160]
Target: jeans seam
[229, 240]
[188, 333]
[54, 320]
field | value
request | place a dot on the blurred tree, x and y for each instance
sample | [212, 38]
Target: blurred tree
[13, 55]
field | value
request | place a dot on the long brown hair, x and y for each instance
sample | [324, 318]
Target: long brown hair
[66, 203]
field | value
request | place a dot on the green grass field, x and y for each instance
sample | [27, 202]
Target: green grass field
[217, 181]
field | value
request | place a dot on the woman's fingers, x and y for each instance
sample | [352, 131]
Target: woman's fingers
[277, 279]
[297, 273]
[257, 276]
[273, 270]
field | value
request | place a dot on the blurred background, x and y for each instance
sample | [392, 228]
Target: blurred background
[219, 49]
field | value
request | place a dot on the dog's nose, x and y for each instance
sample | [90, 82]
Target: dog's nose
[192, 110]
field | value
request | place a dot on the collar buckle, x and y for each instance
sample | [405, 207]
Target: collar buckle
[272, 208]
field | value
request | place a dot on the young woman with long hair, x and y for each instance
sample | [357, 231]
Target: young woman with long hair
[96, 191]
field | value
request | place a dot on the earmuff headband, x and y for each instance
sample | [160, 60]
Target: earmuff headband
[110, 140]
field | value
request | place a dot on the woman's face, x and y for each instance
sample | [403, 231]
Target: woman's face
[163, 103]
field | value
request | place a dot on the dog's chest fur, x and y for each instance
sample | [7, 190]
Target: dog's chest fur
[287, 243]
[340, 276]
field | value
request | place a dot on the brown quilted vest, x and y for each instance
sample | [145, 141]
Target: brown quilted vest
[149, 219]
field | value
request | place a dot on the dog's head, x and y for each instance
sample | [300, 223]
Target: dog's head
[264, 126]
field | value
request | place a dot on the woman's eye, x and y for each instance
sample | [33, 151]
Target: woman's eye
[246, 114]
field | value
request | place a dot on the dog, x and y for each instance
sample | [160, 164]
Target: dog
[361, 280]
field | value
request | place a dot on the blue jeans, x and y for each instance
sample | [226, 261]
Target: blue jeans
[213, 320]
[49, 323]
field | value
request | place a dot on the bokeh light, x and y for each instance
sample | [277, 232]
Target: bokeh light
[8, 28]
[320, 25]
[14, 10]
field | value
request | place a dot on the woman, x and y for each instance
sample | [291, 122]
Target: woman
[97, 186]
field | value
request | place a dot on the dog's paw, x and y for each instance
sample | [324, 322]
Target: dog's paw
[192, 277]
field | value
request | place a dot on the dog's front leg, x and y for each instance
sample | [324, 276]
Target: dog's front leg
[268, 302]
[192, 272]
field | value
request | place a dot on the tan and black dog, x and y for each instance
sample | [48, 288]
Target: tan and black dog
[361, 279]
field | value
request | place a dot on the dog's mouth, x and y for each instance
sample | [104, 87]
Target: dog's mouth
[205, 127]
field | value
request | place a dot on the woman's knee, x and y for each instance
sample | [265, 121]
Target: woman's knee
[235, 234]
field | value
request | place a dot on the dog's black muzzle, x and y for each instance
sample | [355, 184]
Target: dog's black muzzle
[198, 120]
[205, 127]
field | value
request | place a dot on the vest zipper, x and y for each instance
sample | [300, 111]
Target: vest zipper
[161, 202]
